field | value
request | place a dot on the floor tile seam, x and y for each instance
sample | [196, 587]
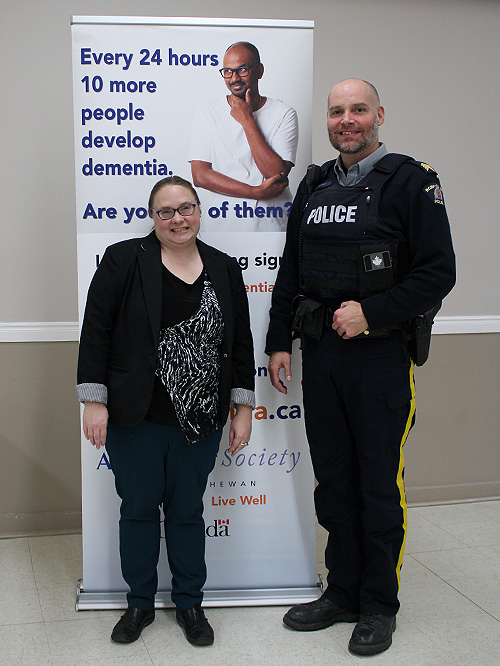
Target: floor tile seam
[439, 521]
[493, 518]
[66, 621]
[48, 643]
[29, 539]
[471, 601]
[456, 590]
[463, 544]
[487, 557]
[22, 624]
[432, 572]
[465, 522]
[38, 583]
[78, 618]
[442, 525]
[38, 595]
[490, 544]
[492, 562]
[439, 550]
[147, 651]
[467, 577]
[487, 545]
[495, 556]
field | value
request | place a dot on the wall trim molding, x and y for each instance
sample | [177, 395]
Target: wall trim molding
[464, 325]
[455, 492]
[39, 331]
[69, 331]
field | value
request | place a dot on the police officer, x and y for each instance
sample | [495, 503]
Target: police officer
[368, 244]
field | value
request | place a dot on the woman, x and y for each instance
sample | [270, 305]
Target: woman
[165, 349]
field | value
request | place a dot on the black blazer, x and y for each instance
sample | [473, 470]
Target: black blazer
[121, 326]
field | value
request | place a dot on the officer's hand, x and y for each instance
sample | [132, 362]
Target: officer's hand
[349, 320]
[277, 361]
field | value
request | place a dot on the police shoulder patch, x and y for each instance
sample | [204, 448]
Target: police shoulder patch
[435, 193]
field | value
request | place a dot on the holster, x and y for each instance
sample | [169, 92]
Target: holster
[419, 335]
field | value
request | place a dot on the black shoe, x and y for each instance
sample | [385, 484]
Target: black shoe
[372, 634]
[195, 625]
[317, 614]
[132, 622]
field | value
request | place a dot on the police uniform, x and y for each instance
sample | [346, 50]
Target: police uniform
[382, 240]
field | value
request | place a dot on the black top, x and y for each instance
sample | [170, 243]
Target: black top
[179, 301]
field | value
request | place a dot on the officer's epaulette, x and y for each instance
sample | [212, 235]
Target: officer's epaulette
[392, 161]
[426, 167]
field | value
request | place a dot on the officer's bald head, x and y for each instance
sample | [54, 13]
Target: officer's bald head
[353, 118]
[364, 89]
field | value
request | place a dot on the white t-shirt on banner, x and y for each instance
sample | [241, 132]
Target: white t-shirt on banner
[219, 139]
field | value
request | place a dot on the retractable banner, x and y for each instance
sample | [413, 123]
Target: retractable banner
[148, 99]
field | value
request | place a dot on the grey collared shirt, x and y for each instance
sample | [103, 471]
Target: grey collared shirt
[358, 171]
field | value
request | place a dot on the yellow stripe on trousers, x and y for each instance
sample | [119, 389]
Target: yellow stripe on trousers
[400, 480]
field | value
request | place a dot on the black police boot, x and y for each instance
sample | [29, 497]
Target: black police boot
[372, 634]
[317, 614]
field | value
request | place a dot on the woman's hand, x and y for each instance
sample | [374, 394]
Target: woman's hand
[241, 429]
[95, 423]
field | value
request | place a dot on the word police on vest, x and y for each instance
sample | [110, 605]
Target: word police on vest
[329, 214]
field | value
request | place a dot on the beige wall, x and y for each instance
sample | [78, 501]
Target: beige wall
[452, 452]
[39, 439]
[433, 63]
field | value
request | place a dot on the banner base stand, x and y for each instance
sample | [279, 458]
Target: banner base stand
[211, 598]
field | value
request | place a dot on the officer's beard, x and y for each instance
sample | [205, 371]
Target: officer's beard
[350, 147]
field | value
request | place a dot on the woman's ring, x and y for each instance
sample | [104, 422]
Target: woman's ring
[243, 443]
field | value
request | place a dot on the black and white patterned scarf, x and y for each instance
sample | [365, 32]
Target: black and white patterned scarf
[189, 366]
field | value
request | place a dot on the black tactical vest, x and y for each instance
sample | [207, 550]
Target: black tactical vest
[346, 252]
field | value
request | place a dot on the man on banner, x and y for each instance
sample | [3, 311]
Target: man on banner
[242, 149]
[368, 249]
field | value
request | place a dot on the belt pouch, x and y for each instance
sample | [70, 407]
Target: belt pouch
[308, 317]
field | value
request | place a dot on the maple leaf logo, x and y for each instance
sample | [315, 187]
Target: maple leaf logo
[377, 261]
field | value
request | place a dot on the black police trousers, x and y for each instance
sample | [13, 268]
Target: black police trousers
[359, 403]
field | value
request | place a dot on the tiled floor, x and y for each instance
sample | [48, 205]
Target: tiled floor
[450, 608]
